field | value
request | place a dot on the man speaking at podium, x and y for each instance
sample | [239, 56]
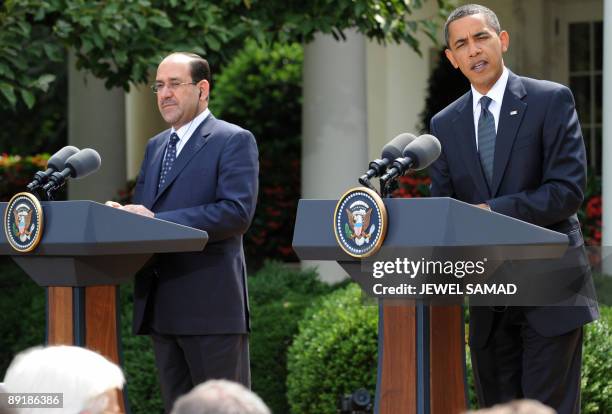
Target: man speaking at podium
[202, 173]
[513, 145]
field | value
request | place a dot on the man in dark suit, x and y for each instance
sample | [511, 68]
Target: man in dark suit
[202, 173]
[513, 145]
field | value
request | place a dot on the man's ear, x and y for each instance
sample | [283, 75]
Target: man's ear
[204, 88]
[504, 38]
[451, 58]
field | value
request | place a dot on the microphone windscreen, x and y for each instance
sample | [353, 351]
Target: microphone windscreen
[423, 151]
[84, 163]
[58, 160]
[394, 148]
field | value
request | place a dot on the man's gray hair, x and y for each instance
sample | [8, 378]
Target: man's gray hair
[82, 376]
[517, 407]
[220, 397]
[469, 10]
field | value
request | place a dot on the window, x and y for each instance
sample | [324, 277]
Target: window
[585, 81]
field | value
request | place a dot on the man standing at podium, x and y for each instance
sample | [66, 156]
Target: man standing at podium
[202, 173]
[513, 145]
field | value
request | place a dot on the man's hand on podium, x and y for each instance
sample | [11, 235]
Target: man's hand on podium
[484, 206]
[132, 208]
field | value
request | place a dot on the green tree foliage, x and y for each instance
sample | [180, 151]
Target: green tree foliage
[25, 46]
[121, 41]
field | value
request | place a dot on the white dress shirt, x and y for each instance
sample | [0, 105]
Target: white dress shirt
[186, 131]
[496, 93]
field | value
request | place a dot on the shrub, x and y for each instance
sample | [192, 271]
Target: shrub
[334, 353]
[261, 90]
[22, 312]
[278, 298]
[17, 171]
[143, 389]
[596, 381]
[597, 365]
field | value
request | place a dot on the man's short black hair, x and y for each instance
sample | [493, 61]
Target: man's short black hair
[469, 10]
[199, 67]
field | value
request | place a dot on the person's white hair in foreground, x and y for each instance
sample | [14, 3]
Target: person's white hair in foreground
[220, 397]
[517, 407]
[87, 381]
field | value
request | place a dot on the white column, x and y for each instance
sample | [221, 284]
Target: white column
[334, 128]
[607, 138]
[96, 119]
[142, 122]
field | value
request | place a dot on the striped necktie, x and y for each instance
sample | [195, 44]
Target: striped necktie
[168, 160]
[486, 138]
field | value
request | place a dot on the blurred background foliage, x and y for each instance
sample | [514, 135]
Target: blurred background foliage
[261, 89]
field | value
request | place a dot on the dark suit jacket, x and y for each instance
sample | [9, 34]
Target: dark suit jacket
[213, 187]
[539, 175]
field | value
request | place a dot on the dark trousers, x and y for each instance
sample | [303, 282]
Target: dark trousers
[517, 363]
[184, 361]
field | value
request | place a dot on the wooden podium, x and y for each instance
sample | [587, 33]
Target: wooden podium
[86, 251]
[421, 352]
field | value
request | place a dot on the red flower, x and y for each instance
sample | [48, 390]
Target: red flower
[593, 207]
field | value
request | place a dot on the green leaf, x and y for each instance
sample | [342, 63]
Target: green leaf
[9, 93]
[6, 71]
[52, 51]
[140, 21]
[87, 45]
[121, 57]
[98, 41]
[28, 98]
[161, 21]
[44, 81]
[25, 28]
[213, 43]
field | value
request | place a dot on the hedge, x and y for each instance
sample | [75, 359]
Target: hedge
[335, 352]
[279, 297]
[336, 349]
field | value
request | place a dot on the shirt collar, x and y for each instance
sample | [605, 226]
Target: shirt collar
[496, 93]
[186, 130]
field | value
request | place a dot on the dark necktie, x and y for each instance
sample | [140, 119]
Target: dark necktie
[486, 138]
[168, 160]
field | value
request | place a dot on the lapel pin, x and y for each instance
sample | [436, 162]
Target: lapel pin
[513, 112]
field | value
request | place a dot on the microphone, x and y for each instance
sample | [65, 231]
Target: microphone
[419, 154]
[391, 151]
[55, 163]
[78, 165]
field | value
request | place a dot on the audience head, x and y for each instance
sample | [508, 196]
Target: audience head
[220, 397]
[517, 407]
[87, 381]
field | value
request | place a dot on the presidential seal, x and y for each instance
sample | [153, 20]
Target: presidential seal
[23, 222]
[360, 222]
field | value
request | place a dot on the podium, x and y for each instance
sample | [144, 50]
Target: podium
[421, 352]
[86, 251]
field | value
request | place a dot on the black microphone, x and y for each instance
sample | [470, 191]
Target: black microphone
[391, 151]
[419, 154]
[55, 163]
[78, 165]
